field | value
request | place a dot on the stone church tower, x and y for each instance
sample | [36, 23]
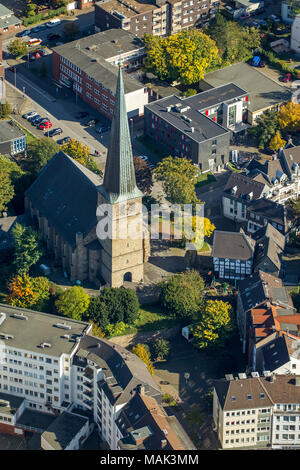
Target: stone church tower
[124, 253]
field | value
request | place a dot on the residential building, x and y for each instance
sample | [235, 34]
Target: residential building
[257, 411]
[12, 139]
[279, 353]
[61, 383]
[8, 21]
[249, 6]
[263, 92]
[287, 11]
[270, 245]
[65, 198]
[198, 127]
[89, 67]
[258, 291]
[232, 254]
[159, 18]
[295, 34]
[262, 211]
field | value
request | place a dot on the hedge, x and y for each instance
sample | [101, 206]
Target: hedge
[44, 16]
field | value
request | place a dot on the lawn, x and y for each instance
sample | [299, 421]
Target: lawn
[205, 178]
[151, 318]
[30, 137]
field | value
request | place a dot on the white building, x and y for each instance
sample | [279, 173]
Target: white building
[295, 34]
[287, 11]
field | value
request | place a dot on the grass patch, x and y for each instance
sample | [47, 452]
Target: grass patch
[29, 137]
[204, 248]
[205, 178]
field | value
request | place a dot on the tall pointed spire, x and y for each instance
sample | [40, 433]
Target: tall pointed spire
[119, 179]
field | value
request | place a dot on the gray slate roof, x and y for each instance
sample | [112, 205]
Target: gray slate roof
[232, 245]
[89, 54]
[268, 209]
[65, 193]
[244, 185]
[64, 429]
[263, 91]
[9, 130]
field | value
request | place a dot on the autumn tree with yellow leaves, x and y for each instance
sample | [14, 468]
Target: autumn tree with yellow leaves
[142, 352]
[289, 117]
[276, 142]
[185, 56]
[81, 153]
[26, 291]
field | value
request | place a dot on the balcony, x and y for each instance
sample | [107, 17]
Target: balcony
[88, 404]
[88, 385]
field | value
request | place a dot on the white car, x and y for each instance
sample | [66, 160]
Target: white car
[143, 157]
[274, 18]
[31, 115]
[53, 23]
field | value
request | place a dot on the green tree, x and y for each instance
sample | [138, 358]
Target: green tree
[121, 304]
[73, 303]
[178, 177]
[30, 10]
[5, 110]
[81, 153]
[265, 129]
[142, 352]
[40, 151]
[181, 295]
[184, 56]
[98, 312]
[116, 329]
[27, 248]
[161, 348]
[10, 173]
[214, 326]
[17, 47]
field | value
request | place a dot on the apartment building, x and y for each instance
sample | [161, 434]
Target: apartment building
[198, 127]
[88, 66]
[2, 74]
[279, 353]
[159, 17]
[232, 254]
[287, 11]
[9, 23]
[257, 411]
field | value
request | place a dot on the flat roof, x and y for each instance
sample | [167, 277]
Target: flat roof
[37, 328]
[263, 91]
[9, 404]
[36, 419]
[65, 427]
[9, 130]
[232, 245]
[127, 10]
[91, 55]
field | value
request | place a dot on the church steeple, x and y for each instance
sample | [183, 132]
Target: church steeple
[119, 183]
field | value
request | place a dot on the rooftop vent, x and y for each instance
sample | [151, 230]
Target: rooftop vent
[182, 110]
[66, 336]
[242, 376]
[64, 326]
[20, 316]
[6, 336]
[254, 374]
[45, 345]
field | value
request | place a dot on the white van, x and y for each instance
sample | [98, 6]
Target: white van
[52, 23]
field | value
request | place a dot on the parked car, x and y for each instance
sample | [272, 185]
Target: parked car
[28, 115]
[287, 77]
[23, 33]
[53, 23]
[43, 52]
[92, 122]
[256, 61]
[36, 54]
[101, 129]
[81, 114]
[56, 131]
[45, 125]
[274, 18]
[33, 117]
[63, 141]
[262, 64]
[60, 43]
[40, 27]
[39, 121]
[53, 37]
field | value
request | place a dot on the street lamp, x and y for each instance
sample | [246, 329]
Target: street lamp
[131, 122]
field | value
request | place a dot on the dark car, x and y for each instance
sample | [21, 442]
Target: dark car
[262, 63]
[81, 114]
[32, 118]
[101, 129]
[92, 122]
[63, 141]
[38, 121]
[41, 27]
[54, 132]
[43, 52]
[53, 37]
[23, 33]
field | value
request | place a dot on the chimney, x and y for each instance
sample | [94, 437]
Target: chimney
[192, 129]
[163, 443]
[141, 389]
[272, 378]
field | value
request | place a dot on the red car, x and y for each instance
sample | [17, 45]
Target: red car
[287, 77]
[45, 125]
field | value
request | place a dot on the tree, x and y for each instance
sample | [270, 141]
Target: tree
[141, 351]
[10, 172]
[73, 303]
[30, 10]
[17, 47]
[28, 292]
[97, 330]
[121, 304]
[40, 151]
[27, 248]
[276, 142]
[202, 228]
[289, 117]
[161, 348]
[5, 110]
[181, 295]
[143, 175]
[184, 56]
[81, 153]
[214, 326]
[98, 313]
[178, 177]
[70, 30]
[235, 43]
[115, 330]
[265, 129]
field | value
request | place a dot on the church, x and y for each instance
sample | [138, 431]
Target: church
[64, 202]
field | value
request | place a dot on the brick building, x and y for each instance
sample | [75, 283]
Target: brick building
[8, 21]
[88, 66]
[198, 127]
[159, 17]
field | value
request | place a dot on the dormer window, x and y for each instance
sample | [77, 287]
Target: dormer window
[234, 190]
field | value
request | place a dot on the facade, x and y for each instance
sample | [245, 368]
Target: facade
[287, 11]
[88, 66]
[198, 128]
[64, 200]
[278, 353]
[232, 254]
[8, 22]
[262, 91]
[295, 34]
[270, 245]
[159, 18]
[261, 212]
[12, 139]
[2, 74]
[257, 411]
[249, 6]
[53, 368]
